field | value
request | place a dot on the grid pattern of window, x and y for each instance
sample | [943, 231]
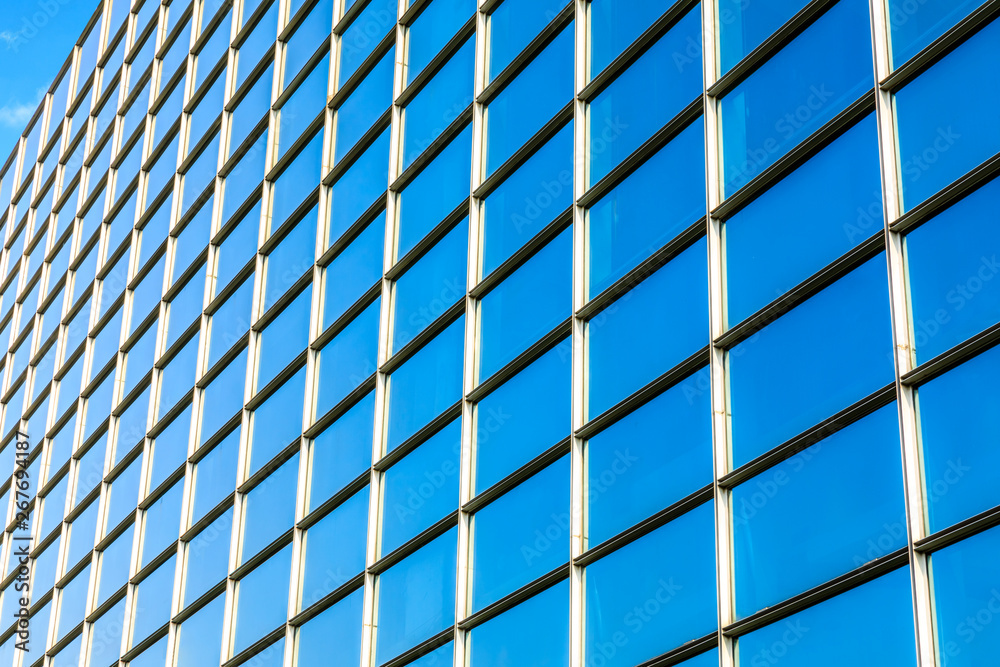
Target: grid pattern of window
[497, 333]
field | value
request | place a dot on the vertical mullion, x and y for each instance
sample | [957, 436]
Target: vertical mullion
[470, 366]
[717, 319]
[370, 610]
[902, 343]
[578, 482]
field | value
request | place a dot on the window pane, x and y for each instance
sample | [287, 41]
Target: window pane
[626, 226]
[284, 338]
[261, 603]
[431, 286]
[666, 335]
[335, 548]
[422, 488]
[652, 458]
[959, 469]
[530, 198]
[349, 359]
[435, 192]
[364, 106]
[914, 25]
[784, 101]
[522, 418]
[270, 508]
[659, 596]
[527, 304]
[354, 271]
[876, 619]
[952, 264]
[940, 142]
[342, 452]
[743, 26]
[645, 96]
[849, 321]
[967, 600]
[363, 35]
[434, 373]
[513, 25]
[333, 636]
[359, 187]
[419, 594]
[530, 100]
[522, 535]
[432, 29]
[200, 636]
[535, 633]
[822, 491]
[766, 252]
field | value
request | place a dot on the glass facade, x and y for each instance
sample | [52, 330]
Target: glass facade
[509, 333]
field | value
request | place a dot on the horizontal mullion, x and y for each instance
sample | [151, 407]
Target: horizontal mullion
[436, 63]
[953, 357]
[808, 288]
[516, 478]
[797, 156]
[960, 531]
[947, 196]
[810, 437]
[417, 343]
[941, 47]
[436, 148]
[510, 601]
[556, 336]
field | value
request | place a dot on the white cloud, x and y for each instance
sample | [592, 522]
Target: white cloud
[17, 114]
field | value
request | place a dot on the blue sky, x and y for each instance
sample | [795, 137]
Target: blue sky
[35, 39]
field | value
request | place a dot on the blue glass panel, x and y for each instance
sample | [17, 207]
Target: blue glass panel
[178, 376]
[366, 104]
[434, 373]
[666, 335]
[284, 337]
[529, 101]
[952, 262]
[431, 286]
[238, 247]
[535, 633]
[649, 460]
[150, 613]
[262, 37]
[876, 617]
[938, 141]
[784, 101]
[432, 29]
[766, 252]
[359, 187]
[275, 425]
[335, 548]
[297, 181]
[959, 469]
[915, 24]
[626, 226]
[231, 321]
[162, 524]
[270, 509]
[529, 199]
[200, 636]
[435, 192]
[291, 258]
[523, 417]
[309, 36]
[349, 359]
[650, 596]
[354, 271]
[109, 628]
[849, 321]
[645, 96]
[513, 25]
[820, 490]
[422, 488]
[521, 535]
[208, 558]
[223, 397]
[363, 35]
[967, 600]
[250, 110]
[170, 448]
[306, 103]
[334, 635]
[257, 613]
[244, 180]
[419, 595]
[342, 451]
[527, 304]
[743, 26]
[440, 101]
[215, 475]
